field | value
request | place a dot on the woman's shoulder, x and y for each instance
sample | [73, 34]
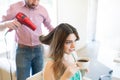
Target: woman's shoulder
[49, 63]
[48, 70]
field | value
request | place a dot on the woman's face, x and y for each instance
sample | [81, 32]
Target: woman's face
[32, 3]
[69, 45]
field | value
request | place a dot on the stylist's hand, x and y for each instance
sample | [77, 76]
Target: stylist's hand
[70, 71]
[12, 24]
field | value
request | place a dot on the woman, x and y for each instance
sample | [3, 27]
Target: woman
[61, 64]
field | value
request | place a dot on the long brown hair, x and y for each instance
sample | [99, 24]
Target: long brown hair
[56, 40]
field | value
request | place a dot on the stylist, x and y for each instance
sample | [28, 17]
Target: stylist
[29, 53]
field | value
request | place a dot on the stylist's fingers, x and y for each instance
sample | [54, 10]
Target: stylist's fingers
[12, 24]
[16, 24]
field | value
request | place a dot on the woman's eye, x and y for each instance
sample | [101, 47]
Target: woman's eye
[68, 42]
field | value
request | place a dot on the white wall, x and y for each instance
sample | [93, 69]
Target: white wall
[75, 13]
[108, 23]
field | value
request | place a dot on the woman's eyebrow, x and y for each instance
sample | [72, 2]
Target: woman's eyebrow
[68, 40]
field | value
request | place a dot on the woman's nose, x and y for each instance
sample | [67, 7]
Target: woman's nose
[73, 45]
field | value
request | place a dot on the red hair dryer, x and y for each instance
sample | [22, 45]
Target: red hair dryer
[23, 19]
